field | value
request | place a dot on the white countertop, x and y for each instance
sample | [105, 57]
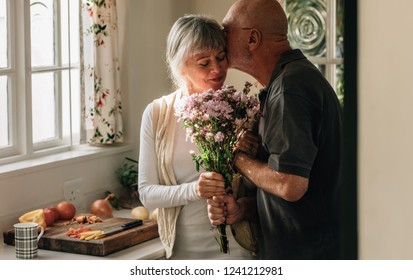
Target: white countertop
[148, 250]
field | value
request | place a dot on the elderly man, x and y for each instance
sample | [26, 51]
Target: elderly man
[294, 160]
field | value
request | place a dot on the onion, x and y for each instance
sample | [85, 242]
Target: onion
[102, 207]
[66, 210]
[154, 215]
[140, 212]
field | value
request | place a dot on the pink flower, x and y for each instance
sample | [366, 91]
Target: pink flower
[219, 137]
[213, 121]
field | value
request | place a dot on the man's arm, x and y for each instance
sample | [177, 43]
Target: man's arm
[287, 186]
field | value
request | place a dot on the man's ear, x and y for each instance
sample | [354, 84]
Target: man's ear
[254, 39]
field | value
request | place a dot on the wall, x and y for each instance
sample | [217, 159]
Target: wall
[385, 130]
[143, 26]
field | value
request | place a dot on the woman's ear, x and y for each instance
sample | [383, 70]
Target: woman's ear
[254, 39]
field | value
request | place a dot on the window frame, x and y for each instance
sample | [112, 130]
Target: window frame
[9, 73]
[19, 74]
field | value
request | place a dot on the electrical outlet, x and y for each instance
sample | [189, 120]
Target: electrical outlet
[73, 192]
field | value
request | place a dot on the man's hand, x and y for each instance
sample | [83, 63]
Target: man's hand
[223, 209]
[248, 143]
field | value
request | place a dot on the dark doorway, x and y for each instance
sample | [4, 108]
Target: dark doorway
[349, 237]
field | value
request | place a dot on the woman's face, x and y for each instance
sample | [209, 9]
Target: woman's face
[205, 70]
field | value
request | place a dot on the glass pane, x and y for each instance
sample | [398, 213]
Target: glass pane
[76, 121]
[42, 32]
[321, 68]
[64, 21]
[3, 34]
[307, 26]
[4, 113]
[66, 103]
[340, 29]
[340, 82]
[70, 32]
[74, 98]
[43, 106]
[74, 33]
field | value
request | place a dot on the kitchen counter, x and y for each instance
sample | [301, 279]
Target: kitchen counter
[148, 250]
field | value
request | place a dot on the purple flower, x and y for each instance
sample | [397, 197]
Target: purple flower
[219, 137]
[213, 121]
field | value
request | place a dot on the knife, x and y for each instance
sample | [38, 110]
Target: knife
[126, 226]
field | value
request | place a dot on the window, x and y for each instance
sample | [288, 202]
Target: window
[316, 27]
[39, 77]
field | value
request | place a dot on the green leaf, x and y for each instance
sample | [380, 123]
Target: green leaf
[196, 165]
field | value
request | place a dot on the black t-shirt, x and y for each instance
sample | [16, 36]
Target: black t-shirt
[301, 135]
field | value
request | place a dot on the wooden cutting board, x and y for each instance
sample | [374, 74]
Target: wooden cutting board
[55, 238]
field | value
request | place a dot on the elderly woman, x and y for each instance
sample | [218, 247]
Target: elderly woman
[167, 177]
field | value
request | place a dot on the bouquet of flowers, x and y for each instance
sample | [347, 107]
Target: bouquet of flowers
[213, 121]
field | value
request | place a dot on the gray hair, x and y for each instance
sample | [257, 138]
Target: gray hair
[189, 35]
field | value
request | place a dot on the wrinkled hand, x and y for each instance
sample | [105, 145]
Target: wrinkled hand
[223, 209]
[248, 143]
[210, 184]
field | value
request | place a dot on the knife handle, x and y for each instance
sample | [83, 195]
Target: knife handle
[132, 224]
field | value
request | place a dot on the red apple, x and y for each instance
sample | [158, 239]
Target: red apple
[49, 216]
[56, 212]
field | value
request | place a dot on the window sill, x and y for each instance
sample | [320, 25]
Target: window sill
[78, 154]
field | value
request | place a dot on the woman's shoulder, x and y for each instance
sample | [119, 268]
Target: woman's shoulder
[149, 108]
[169, 98]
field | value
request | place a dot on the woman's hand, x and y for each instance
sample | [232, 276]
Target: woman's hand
[248, 143]
[210, 184]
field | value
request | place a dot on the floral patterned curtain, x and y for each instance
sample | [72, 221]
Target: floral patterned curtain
[101, 101]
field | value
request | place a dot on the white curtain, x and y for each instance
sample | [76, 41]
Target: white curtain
[101, 101]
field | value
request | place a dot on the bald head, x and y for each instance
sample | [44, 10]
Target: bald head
[266, 15]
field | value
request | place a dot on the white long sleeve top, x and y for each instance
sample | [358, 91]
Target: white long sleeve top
[151, 193]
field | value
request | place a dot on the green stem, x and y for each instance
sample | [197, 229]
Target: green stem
[223, 240]
[135, 161]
